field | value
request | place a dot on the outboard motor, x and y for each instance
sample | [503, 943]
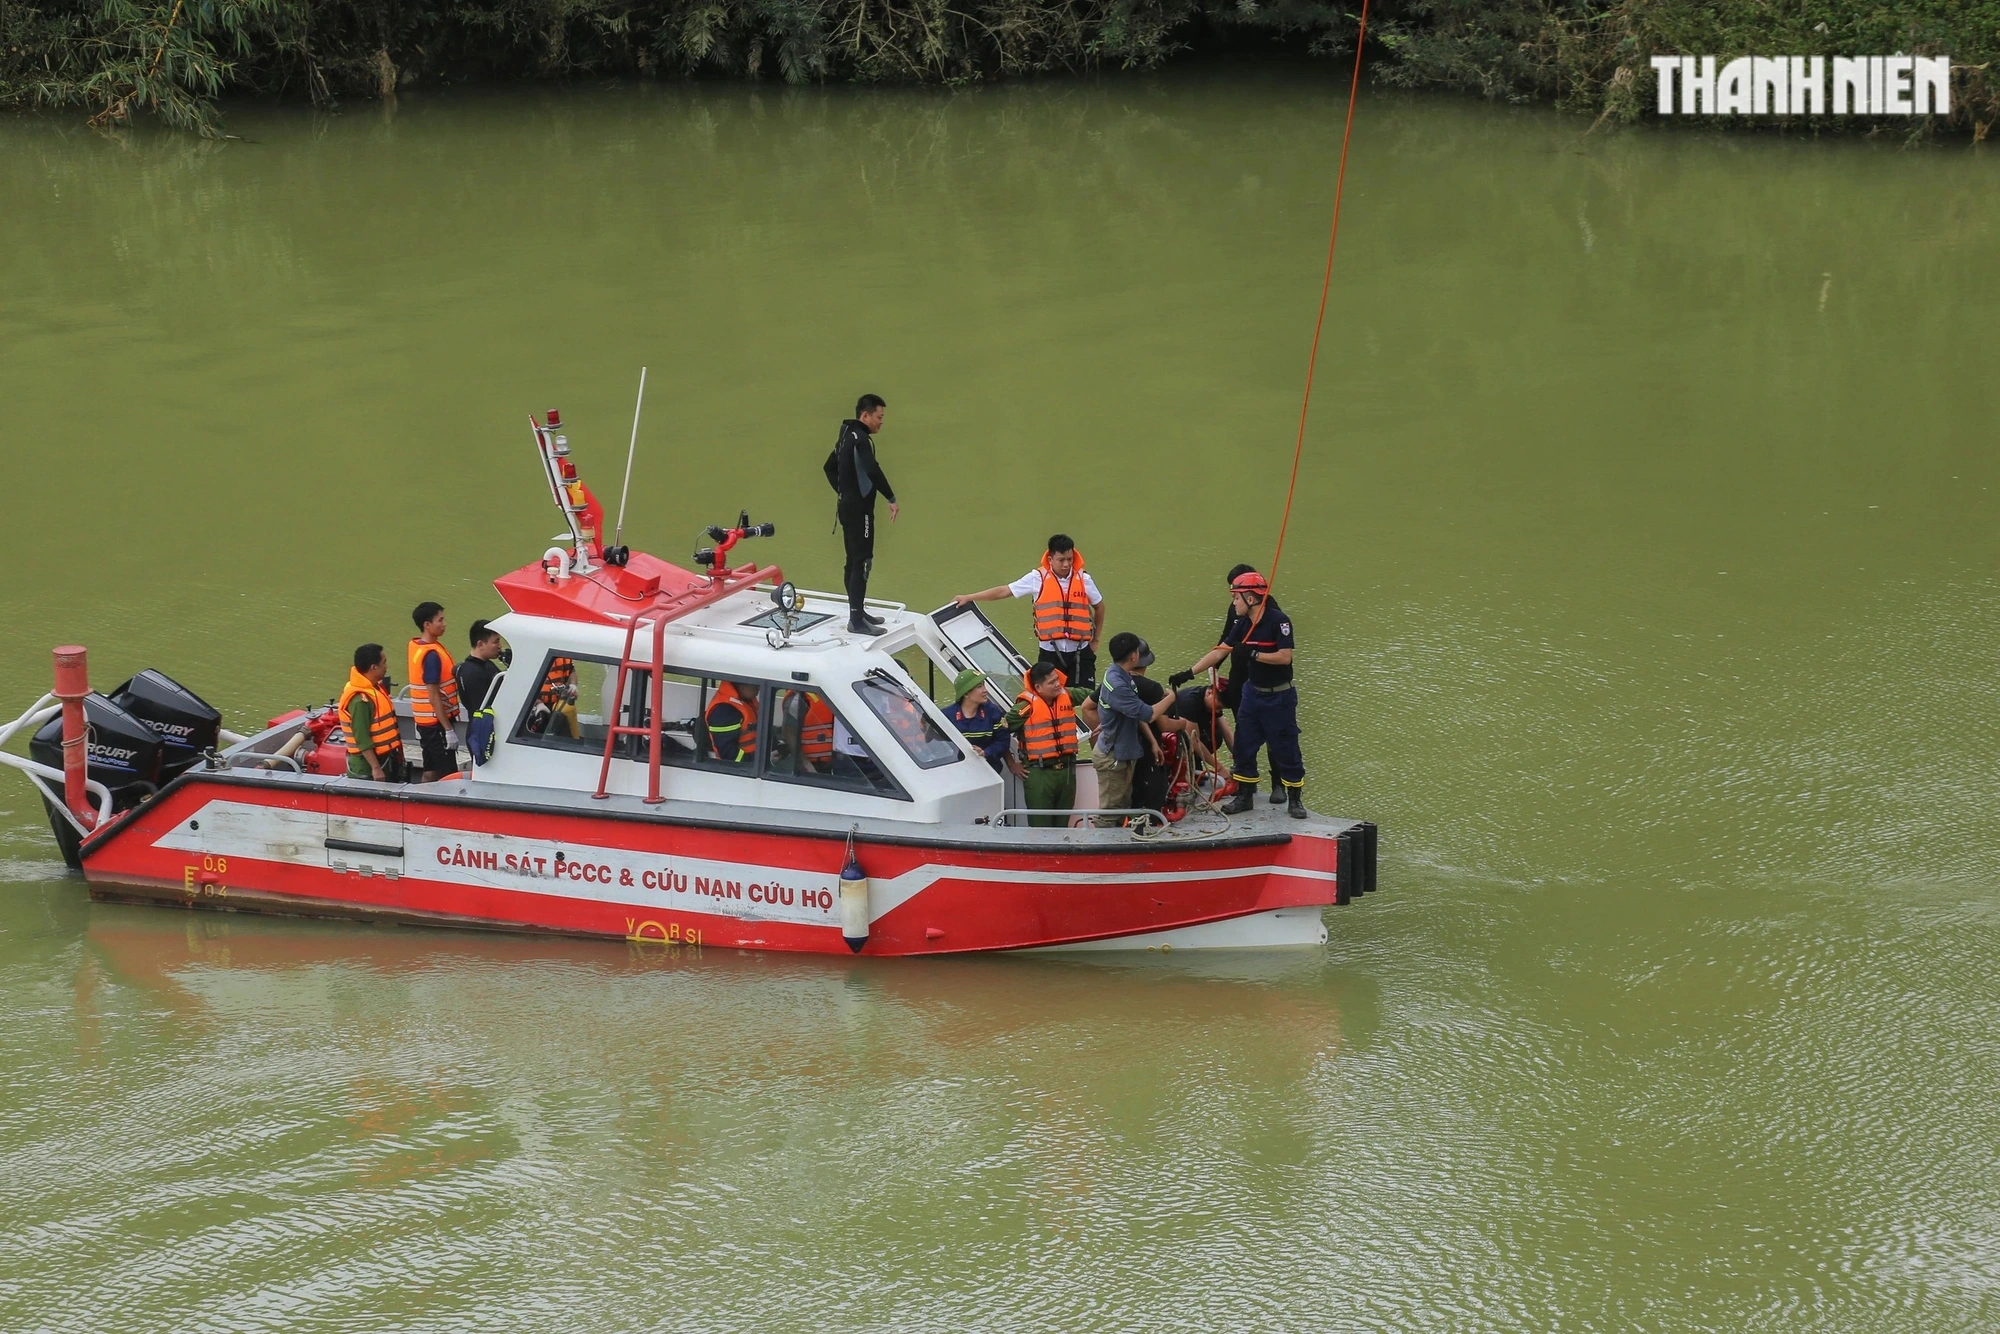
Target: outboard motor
[124, 751]
[187, 726]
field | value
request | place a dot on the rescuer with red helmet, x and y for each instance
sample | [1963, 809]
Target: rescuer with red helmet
[1268, 713]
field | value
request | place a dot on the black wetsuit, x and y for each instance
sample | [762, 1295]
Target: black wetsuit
[856, 477]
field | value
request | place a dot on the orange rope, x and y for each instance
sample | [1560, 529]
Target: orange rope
[1326, 284]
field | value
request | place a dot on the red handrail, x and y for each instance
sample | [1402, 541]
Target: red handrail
[667, 607]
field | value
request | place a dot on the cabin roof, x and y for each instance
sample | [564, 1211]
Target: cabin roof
[738, 622]
[606, 596]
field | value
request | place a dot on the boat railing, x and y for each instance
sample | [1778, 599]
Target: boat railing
[247, 759]
[41, 775]
[1145, 812]
[804, 593]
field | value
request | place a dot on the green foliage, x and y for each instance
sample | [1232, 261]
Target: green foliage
[1593, 56]
[122, 56]
[116, 58]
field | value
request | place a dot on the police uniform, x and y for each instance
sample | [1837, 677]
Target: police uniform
[1268, 713]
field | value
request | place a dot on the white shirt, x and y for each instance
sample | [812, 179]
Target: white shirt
[1030, 584]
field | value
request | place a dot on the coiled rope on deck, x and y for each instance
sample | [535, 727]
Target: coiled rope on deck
[1326, 285]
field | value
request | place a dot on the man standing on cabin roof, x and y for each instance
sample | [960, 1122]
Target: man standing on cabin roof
[433, 693]
[856, 476]
[476, 675]
[1269, 709]
[1069, 611]
[368, 716]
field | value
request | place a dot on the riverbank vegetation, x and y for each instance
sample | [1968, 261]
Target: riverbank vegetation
[172, 59]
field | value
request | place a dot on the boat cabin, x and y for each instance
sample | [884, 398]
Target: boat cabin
[765, 698]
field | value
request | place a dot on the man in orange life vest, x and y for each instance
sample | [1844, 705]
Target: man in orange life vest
[368, 716]
[1044, 717]
[805, 735]
[434, 693]
[732, 722]
[1069, 611]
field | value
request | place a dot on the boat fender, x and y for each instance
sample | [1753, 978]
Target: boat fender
[555, 563]
[853, 903]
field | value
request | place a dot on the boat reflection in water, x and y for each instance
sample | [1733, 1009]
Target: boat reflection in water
[274, 1100]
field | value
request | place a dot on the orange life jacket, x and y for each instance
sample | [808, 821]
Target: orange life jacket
[735, 741]
[420, 694]
[1062, 608]
[383, 738]
[1049, 730]
[816, 733]
[560, 683]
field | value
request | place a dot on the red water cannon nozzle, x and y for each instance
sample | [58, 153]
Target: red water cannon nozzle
[716, 558]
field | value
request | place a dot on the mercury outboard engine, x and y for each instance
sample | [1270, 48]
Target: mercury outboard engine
[124, 751]
[186, 725]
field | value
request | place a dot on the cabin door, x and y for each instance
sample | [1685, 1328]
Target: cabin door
[364, 833]
[979, 643]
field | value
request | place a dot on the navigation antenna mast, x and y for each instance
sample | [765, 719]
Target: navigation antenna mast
[615, 553]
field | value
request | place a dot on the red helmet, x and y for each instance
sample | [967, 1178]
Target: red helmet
[1249, 582]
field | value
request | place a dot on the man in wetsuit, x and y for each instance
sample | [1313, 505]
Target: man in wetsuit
[1268, 712]
[856, 476]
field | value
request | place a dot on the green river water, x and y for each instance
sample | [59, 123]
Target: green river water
[1643, 570]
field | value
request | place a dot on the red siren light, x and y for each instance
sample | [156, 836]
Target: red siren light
[555, 419]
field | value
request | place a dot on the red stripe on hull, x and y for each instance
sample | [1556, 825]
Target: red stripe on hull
[601, 881]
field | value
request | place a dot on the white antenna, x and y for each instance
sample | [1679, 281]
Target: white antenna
[629, 451]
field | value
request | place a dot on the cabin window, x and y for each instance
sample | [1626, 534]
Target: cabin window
[921, 736]
[748, 728]
[571, 706]
[998, 668]
[728, 730]
[810, 743]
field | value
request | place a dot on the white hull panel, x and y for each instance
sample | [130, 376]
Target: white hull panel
[1280, 928]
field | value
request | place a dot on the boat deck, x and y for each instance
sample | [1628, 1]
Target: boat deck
[1266, 824]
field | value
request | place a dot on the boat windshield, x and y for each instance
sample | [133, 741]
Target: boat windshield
[920, 736]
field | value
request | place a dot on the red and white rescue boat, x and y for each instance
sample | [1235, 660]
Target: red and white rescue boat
[859, 819]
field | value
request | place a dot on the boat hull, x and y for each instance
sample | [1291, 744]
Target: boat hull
[392, 854]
